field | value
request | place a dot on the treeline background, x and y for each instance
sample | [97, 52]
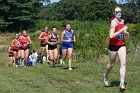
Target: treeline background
[89, 18]
[16, 15]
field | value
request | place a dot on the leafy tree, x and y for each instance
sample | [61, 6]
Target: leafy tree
[4, 12]
[132, 11]
[80, 10]
[18, 14]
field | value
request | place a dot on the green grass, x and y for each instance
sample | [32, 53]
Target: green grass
[85, 78]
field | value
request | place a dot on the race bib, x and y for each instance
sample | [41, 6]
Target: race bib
[54, 43]
[69, 38]
[121, 37]
[17, 46]
[26, 44]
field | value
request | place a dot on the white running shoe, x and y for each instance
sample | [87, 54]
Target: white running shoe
[106, 80]
[62, 62]
[122, 86]
[16, 65]
[70, 68]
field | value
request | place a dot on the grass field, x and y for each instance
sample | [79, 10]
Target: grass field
[87, 77]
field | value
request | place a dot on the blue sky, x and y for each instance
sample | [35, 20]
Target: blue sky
[55, 0]
[59, 0]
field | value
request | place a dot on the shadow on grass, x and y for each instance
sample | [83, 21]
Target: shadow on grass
[116, 84]
[72, 67]
[58, 65]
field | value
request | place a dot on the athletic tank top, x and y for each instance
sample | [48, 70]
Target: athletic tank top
[43, 36]
[68, 35]
[24, 41]
[119, 39]
[16, 44]
[53, 38]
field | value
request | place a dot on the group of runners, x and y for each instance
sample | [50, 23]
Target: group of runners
[19, 49]
[118, 31]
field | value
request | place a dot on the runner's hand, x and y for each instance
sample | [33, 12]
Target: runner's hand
[69, 40]
[126, 33]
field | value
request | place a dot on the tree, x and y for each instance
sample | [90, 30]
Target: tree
[132, 11]
[4, 12]
[18, 14]
[22, 12]
[45, 2]
[80, 10]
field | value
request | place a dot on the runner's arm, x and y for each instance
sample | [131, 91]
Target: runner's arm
[112, 29]
[9, 48]
[12, 43]
[126, 33]
[58, 39]
[47, 40]
[74, 37]
[30, 42]
[41, 36]
[62, 37]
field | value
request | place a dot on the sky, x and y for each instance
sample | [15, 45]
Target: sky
[59, 0]
[55, 1]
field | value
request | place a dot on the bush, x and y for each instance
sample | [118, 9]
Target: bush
[91, 37]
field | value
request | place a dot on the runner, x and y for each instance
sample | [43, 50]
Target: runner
[68, 39]
[44, 46]
[52, 45]
[16, 48]
[25, 41]
[117, 46]
[11, 56]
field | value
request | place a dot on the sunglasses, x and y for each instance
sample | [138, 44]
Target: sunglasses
[116, 12]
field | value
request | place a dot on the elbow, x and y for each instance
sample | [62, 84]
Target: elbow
[61, 40]
[111, 36]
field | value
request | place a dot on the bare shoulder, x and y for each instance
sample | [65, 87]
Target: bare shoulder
[113, 23]
[41, 33]
[63, 32]
[122, 20]
[20, 37]
[28, 37]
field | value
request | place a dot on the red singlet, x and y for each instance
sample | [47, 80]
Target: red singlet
[16, 45]
[43, 36]
[115, 40]
[24, 41]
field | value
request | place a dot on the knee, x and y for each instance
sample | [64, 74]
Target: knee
[55, 57]
[22, 57]
[63, 56]
[51, 58]
[69, 56]
[123, 65]
[110, 65]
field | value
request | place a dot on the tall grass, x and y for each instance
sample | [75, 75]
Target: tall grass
[91, 37]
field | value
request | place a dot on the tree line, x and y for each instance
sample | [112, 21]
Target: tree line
[16, 15]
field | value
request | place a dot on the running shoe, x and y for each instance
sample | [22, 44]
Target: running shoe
[16, 65]
[70, 68]
[61, 61]
[122, 87]
[106, 80]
